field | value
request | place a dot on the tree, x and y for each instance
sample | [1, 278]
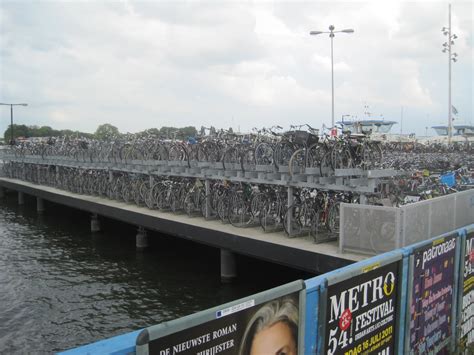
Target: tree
[106, 131]
[44, 131]
[186, 132]
[18, 131]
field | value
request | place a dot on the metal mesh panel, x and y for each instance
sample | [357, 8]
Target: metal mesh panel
[369, 229]
[442, 215]
[464, 208]
[416, 224]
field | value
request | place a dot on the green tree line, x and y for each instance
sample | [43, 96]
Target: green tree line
[103, 131]
[43, 131]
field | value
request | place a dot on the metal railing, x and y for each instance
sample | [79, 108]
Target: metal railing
[377, 229]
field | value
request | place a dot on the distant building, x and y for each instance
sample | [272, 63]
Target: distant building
[367, 126]
[458, 130]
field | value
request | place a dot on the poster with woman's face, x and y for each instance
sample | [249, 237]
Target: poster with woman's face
[248, 327]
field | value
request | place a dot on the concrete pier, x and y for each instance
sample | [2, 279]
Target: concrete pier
[2, 192]
[141, 239]
[95, 223]
[228, 266]
[301, 253]
[39, 205]
[21, 198]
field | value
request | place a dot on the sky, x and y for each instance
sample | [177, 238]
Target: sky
[240, 64]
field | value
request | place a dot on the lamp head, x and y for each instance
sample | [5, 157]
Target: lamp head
[315, 32]
[349, 30]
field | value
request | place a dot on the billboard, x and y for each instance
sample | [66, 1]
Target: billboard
[431, 296]
[268, 322]
[466, 322]
[361, 310]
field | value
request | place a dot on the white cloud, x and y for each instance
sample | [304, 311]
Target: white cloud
[147, 64]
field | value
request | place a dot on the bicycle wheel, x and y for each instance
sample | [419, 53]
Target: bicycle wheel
[256, 204]
[297, 162]
[332, 224]
[189, 206]
[282, 154]
[126, 192]
[148, 199]
[223, 208]
[315, 225]
[271, 217]
[239, 212]
[264, 154]
[325, 167]
[292, 220]
[315, 154]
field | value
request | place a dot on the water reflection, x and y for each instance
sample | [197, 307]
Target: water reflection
[63, 286]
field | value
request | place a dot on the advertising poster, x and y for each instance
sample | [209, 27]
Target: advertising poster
[361, 312]
[466, 333]
[271, 327]
[432, 296]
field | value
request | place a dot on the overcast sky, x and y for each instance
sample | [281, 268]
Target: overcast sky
[148, 64]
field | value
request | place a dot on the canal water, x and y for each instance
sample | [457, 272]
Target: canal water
[62, 286]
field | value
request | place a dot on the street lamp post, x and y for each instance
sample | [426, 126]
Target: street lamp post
[11, 118]
[331, 35]
[451, 57]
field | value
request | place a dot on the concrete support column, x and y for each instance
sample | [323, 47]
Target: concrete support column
[39, 205]
[21, 198]
[2, 192]
[95, 223]
[228, 266]
[141, 239]
[363, 199]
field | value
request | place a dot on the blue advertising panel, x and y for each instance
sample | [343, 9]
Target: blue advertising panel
[269, 322]
[432, 290]
[313, 294]
[360, 308]
[466, 314]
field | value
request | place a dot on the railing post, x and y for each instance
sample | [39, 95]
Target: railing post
[341, 227]
[430, 205]
[455, 225]
[290, 214]
[207, 201]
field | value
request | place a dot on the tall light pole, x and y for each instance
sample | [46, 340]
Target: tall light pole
[11, 117]
[331, 35]
[451, 57]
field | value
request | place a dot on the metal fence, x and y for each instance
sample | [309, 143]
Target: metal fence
[376, 229]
